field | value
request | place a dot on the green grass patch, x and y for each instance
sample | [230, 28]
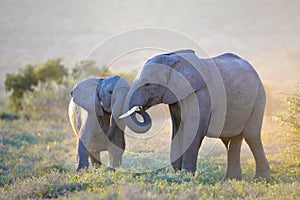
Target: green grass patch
[38, 161]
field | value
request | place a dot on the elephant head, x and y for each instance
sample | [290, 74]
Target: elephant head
[107, 95]
[166, 78]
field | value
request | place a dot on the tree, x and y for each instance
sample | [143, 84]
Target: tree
[19, 83]
[26, 78]
[88, 68]
[52, 74]
[51, 70]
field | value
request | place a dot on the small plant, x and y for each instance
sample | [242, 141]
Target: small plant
[291, 117]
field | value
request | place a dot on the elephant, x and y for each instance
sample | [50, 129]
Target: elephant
[220, 97]
[93, 100]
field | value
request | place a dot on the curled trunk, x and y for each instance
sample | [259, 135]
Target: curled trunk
[120, 106]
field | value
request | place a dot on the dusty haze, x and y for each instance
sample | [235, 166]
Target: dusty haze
[266, 33]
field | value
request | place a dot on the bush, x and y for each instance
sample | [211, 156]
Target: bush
[87, 68]
[49, 101]
[291, 117]
[30, 76]
[51, 70]
[19, 83]
[44, 92]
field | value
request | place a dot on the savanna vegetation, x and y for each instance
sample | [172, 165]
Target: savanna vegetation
[37, 150]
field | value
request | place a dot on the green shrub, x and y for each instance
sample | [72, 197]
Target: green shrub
[49, 101]
[291, 117]
[19, 83]
[26, 78]
[43, 92]
[51, 70]
[88, 68]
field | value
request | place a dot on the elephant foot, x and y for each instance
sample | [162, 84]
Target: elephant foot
[176, 167]
[97, 164]
[232, 177]
[263, 177]
[189, 170]
[263, 173]
[233, 174]
[95, 159]
[112, 169]
[189, 167]
[81, 167]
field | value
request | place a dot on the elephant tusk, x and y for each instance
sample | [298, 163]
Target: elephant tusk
[129, 112]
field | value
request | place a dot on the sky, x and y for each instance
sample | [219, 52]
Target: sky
[264, 32]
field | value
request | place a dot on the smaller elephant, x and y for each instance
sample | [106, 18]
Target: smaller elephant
[90, 114]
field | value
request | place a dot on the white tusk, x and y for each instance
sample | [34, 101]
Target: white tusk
[129, 112]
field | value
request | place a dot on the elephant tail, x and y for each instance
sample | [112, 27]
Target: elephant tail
[74, 117]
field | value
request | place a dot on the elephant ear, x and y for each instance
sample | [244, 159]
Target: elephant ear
[185, 75]
[85, 95]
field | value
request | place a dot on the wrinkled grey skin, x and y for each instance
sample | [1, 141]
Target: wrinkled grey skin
[93, 101]
[245, 98]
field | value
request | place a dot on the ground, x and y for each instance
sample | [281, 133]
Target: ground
[38, 161]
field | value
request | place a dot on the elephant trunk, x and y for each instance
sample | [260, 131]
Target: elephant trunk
[119, 100]
[111, 129]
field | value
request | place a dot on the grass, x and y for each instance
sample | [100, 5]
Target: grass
[38, 161]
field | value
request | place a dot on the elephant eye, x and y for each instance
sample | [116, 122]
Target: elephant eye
[110, 92]
[147, 84]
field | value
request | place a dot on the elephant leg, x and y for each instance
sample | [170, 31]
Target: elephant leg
[176, 150]
[191, 145]
[115, 152]
[116, 147]
[115, 158]
[95, 159]
[176, 144]
[262, 165]
[196, 118]
[82, 156]
[233, 146]
[252, 135]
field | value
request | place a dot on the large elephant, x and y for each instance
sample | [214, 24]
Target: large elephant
[222, 97]
[93, 100]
